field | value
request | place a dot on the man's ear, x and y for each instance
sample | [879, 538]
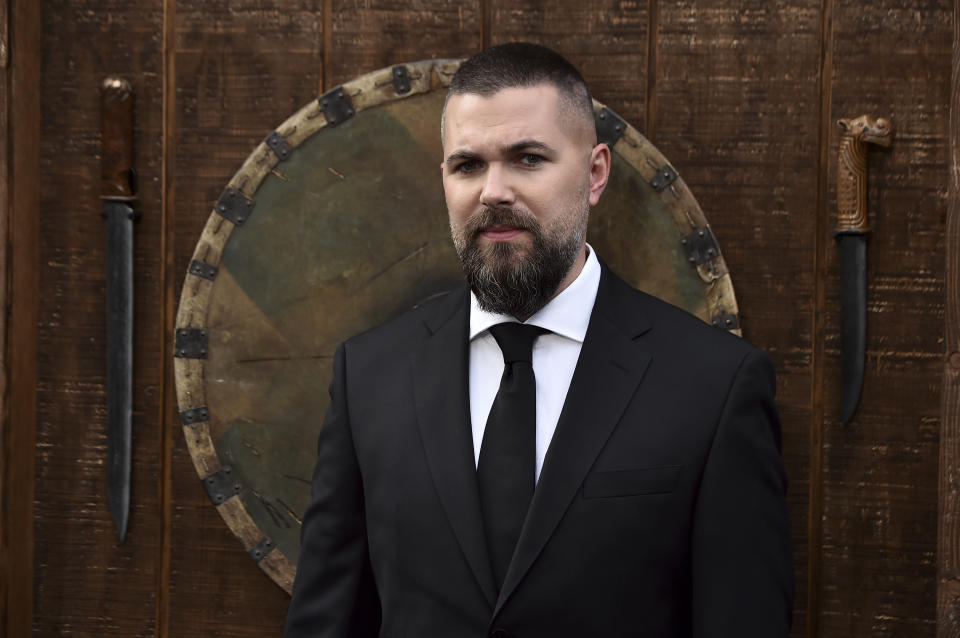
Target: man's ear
[599, 171]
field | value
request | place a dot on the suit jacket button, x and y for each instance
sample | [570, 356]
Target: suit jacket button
[499, 633]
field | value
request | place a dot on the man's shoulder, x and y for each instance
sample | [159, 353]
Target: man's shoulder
[410, 327]
[678, 330]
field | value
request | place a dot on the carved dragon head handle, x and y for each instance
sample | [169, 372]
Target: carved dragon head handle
[852, 168]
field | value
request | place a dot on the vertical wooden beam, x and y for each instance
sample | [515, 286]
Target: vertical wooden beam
[486, 24]
[653, 29]
[168, 304]
[815, 516]
[23, 245]
[327, 52]
[4, 292]
[948, 533]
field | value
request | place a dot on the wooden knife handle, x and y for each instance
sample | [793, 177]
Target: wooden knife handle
[852, 169]
[116, 145]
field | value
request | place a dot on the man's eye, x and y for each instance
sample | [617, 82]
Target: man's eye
[531, 159]
[467, 167]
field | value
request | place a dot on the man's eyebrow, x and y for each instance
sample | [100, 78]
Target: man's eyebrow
[460, 155]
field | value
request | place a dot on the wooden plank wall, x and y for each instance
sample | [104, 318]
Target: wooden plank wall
[948, 549]
[720, 113]
[22, 236]
[740, 96]
[239, 73]
[84, 582]
[880, 471]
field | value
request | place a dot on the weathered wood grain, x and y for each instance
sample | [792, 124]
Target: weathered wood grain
[366, 36]
[880, 476]
[817, 363]
[86, 583]
[20, 414]
[5, 174]
[948, 536]
[739, 122]
[605, 39]
[5, 239]
[239, 71]
[167, 415]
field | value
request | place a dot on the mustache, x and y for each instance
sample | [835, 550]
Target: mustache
[490, 216]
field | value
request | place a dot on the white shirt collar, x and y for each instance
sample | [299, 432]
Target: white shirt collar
[567, 314]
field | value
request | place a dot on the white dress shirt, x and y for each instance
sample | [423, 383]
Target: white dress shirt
[555, 355]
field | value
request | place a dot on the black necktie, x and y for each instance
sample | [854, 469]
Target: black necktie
[506, 472]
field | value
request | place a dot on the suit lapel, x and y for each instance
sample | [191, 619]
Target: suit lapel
[440, 371]
[609, 369]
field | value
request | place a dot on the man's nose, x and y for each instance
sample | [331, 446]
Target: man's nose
[497, 190]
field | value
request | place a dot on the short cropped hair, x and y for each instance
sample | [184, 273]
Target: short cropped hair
[521, 65]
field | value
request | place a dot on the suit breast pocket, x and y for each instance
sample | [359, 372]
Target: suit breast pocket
[647, 480]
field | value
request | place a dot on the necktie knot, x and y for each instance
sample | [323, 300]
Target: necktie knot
[516, 340]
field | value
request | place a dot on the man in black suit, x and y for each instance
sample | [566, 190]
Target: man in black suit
[546, 452]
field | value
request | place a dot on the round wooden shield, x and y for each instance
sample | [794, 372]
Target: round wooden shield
[335, 223]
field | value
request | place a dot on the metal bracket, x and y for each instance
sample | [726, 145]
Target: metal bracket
[234, 206]
[664, 177]
[221, 485]
[701, 246]
[192, 343]
[725, 322]
[401, 80]
[336, 106]
[259, 551]
[278, 144]
[609, 127]
[194, 415]
[203, 269]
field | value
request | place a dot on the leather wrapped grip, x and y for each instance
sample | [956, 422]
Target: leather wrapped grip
[116, 145]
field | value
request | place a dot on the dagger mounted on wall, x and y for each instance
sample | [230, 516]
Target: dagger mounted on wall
[118, 193]
[851, 235]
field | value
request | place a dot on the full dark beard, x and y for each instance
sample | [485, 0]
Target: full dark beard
[515, 280]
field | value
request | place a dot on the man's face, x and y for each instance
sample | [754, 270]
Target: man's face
[520, 173]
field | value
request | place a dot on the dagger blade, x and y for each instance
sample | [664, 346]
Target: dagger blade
[118, 192]
[119, 299]
[853, 326]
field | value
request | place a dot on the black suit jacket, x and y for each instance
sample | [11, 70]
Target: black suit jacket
[659, 511]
